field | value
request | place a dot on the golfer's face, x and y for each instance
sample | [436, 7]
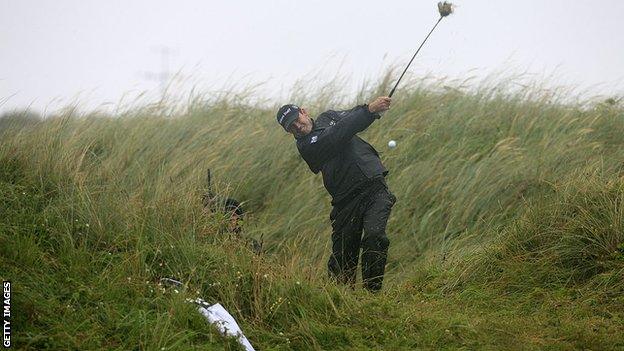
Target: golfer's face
[302, 125]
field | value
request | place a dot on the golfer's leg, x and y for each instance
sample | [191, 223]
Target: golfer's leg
[343, 261]
[375, 242]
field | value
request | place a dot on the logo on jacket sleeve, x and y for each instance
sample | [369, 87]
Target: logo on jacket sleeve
[313, 139]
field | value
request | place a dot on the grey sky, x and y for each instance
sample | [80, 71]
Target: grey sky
[95, 51]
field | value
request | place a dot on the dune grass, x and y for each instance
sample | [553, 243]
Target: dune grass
[507, 233]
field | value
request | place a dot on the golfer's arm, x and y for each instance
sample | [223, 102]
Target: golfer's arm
[334, 138]
[326, 145]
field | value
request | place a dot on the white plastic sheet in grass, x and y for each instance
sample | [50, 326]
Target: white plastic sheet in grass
[224, 321]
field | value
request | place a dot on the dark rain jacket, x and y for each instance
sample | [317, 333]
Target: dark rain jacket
[345, 160]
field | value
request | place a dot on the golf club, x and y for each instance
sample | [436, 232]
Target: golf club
[445, 9]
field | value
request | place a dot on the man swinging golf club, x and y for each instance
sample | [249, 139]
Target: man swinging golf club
[354, 177]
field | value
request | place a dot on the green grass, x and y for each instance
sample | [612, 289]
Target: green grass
[508, 232]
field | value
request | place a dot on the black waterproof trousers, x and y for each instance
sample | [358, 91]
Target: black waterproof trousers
[367, 209]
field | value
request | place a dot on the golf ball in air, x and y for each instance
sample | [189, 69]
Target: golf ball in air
[392, 144]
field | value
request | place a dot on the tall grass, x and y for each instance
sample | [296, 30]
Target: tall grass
[499, 190]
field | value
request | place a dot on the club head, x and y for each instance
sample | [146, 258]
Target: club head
[445, 8]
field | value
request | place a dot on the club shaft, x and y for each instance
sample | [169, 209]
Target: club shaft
[413, 57]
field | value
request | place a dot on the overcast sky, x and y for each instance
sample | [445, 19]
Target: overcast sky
[94, 52]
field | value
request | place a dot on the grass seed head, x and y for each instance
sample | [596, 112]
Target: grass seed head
[445, 8]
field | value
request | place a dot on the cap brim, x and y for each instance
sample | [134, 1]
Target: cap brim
[290, 120]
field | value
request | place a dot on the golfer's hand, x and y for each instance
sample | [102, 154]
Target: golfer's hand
[380, 104]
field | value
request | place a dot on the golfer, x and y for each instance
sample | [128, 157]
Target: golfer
[354, 177]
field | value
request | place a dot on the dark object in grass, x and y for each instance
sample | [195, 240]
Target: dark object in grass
[233, 209]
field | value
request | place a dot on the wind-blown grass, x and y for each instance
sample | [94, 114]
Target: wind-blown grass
[507, 233]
